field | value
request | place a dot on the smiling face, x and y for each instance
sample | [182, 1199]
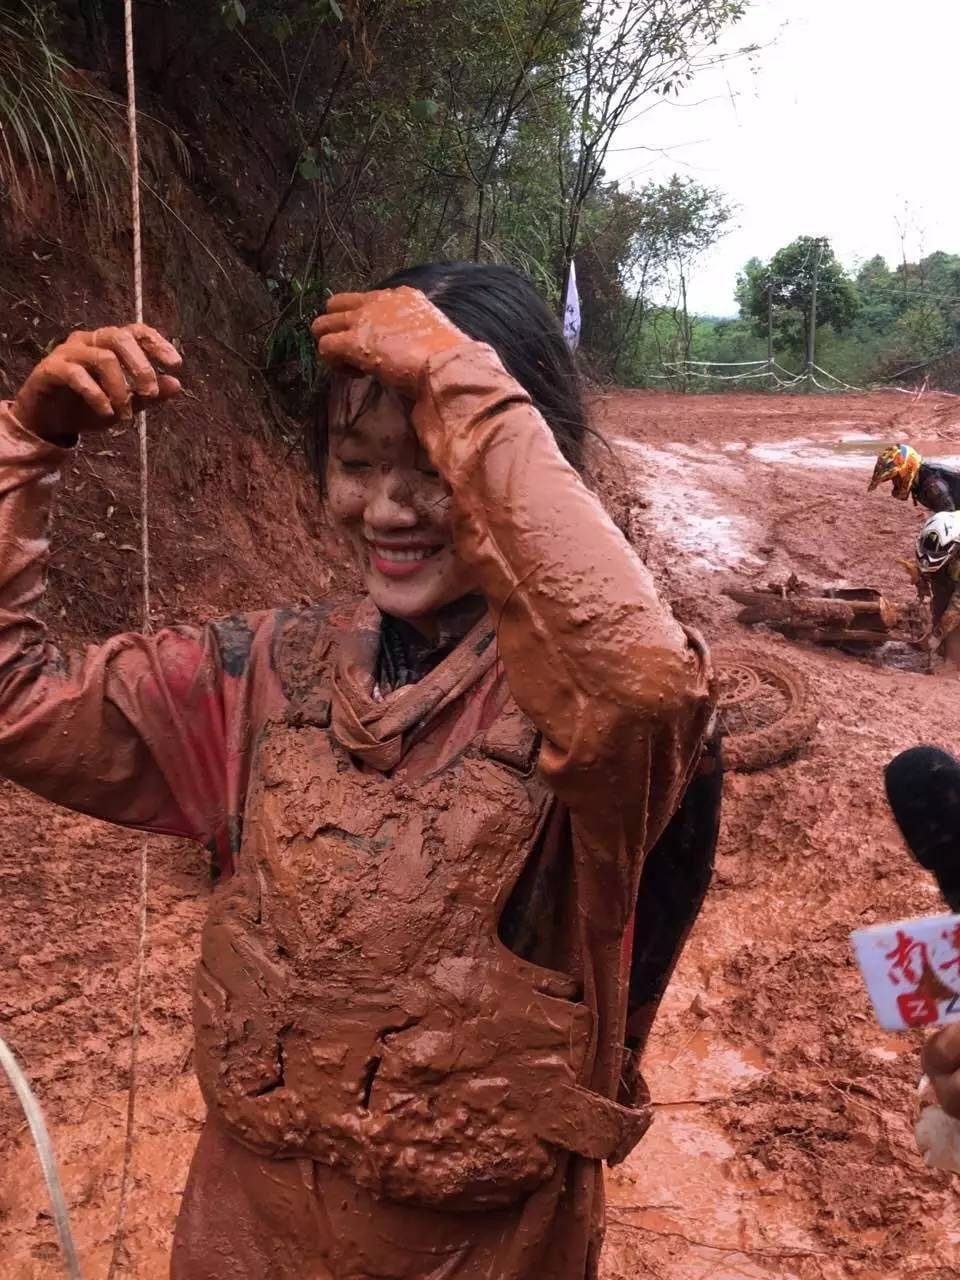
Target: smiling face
[391, 505]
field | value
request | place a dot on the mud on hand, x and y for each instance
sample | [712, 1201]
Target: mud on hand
[96, 379]
[388, 334]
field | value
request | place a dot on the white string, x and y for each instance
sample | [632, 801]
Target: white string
[771, 369]
[141, 421]
[715, 377]
[21, 1086]
[48, 1161]
[721, 364]
[846, 385]
[728, 377]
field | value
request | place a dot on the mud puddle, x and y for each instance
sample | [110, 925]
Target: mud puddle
[848, 452]
[898, 656]
[782, 1147]
[686, 514]
[691, 1186]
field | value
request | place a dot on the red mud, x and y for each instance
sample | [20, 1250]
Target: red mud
[783, 1143]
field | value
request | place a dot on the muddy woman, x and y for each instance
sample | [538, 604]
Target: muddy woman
[460, 828]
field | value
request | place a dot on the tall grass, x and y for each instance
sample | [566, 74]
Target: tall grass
[48, 124]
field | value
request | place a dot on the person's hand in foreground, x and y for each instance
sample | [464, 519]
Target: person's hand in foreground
[96, 379]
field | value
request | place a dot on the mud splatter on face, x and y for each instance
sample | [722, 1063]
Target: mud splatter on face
[391, 505]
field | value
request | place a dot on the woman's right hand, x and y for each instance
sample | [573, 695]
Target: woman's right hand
[96, 379]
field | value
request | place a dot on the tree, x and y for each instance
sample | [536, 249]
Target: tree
[693, 217]
[375, 133]
[786, 282]
[636, 243]
[923, 333]
[627, 57]
[881, 299]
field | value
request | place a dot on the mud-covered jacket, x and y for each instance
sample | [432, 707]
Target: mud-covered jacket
[355, 1004]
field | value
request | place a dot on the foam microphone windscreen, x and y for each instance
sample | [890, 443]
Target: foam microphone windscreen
[923, 787]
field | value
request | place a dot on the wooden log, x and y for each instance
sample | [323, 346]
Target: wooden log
[760, 606]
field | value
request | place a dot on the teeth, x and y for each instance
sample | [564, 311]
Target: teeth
[399, 557]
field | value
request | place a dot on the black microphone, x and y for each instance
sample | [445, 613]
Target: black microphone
[923, 787]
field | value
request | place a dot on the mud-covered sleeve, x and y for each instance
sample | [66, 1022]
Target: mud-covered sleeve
[620, 692]
[150, 731]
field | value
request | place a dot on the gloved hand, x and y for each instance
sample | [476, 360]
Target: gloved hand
[912, 569]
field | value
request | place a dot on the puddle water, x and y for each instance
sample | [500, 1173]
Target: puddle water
[873, 444]
[687, 1185]
[687, 517]
[704, 1066]
[847, 451]
[710, 542]
[903, 657]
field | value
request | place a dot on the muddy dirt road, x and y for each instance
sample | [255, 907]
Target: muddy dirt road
[783, 1144]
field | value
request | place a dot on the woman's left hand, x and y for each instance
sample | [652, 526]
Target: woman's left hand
[389, 334]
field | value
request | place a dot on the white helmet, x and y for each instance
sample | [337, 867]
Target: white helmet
[939, 539]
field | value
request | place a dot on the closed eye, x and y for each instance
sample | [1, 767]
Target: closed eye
[354, 465]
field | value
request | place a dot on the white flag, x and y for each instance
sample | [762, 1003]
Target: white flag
[571, 310]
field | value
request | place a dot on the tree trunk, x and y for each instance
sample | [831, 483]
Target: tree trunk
[812, 322]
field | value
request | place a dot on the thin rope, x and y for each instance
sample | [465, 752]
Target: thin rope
[847, 386]
[48, 1161]
[134, 145]
[721, 364]
[21, 1086]
[141, 421]
[700, 369]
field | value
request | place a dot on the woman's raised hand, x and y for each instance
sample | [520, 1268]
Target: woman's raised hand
[389, 334]
[96, 379]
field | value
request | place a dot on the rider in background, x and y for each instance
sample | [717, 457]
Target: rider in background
[939, 572]
[930, 484]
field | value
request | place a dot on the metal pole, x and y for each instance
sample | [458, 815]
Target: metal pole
[812, 322]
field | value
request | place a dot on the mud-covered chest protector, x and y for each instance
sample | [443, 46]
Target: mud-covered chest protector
[355, 1004]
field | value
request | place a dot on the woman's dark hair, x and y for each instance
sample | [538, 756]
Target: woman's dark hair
[500, 307]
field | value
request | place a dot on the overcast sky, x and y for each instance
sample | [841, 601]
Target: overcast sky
[846, 124]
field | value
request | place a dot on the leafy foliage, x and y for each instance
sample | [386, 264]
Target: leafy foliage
[786, 284]
[341, 139]
[889, 321]
[625, 58]
[640, 247]
[47, 123]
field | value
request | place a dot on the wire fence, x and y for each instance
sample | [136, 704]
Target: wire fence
[768, 372]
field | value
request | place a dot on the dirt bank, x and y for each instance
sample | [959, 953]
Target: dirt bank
[783, 1145]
